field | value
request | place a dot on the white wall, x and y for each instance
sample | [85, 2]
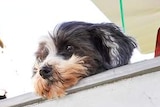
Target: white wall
[140, 91]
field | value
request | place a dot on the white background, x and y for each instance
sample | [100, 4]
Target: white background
[22, 22]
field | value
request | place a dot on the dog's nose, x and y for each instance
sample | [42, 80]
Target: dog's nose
[45, 72]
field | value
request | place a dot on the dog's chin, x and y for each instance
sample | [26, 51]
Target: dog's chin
[48, 89]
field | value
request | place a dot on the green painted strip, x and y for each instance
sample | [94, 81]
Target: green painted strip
[122, 14]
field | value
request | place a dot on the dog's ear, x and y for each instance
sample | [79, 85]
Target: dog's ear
[115, 48]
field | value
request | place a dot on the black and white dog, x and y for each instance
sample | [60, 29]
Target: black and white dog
[76, 50]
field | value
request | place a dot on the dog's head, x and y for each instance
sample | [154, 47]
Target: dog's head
[76, 50]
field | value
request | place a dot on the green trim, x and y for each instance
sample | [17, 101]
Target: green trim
[122, 14]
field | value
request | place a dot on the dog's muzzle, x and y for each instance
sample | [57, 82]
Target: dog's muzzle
[46, 72]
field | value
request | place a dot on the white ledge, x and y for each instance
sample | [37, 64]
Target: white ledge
[127, 71]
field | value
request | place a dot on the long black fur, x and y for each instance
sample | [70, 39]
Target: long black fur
[105, 44]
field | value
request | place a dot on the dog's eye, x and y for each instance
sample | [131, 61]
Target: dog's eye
[67, 52]
[70, 48]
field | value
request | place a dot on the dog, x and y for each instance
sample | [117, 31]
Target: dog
[76, 50]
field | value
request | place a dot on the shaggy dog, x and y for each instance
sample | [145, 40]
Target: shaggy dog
[76, 50]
